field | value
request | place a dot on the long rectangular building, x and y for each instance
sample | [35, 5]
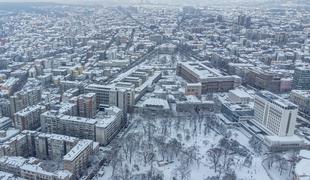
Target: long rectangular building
[101, 129]
[211, 79]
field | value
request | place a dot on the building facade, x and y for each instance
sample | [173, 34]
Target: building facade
[274, 114]
[302, 99]
[211, 79]
[301, 78]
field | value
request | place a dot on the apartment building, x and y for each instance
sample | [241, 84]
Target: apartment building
[28, 118]
[23, 99]
[110, 126]
[111, 95]
[274, 114]
[101, 129]
[302, 99]
[22, 155]
[301, 78]
[86, 104]
[263, 79]
[77, 159]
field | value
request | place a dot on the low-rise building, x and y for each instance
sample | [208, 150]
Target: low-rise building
[302, 99]
[212, 80]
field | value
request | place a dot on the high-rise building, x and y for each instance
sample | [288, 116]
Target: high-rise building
[23, 99]
[301, 78]
[244, 20]
[122, 97]
[275, 115]
[86, 104]
[281, 38]
[29, 118]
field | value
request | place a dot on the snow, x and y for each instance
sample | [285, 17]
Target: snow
[302, 167]
[240, 93]
[77, 149]
[156, 102]
[8, 176]
[9, 133]
[201, 167]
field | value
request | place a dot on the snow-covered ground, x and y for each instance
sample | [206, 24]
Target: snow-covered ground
[181, 148]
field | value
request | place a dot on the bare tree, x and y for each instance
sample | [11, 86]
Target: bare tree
[283, 165]
[130, 144]
[116, 162]
[183, 172]
[144, 151]
[272, 159]
[214, 155]
[161, 144]
[164, 126]
[256, 144]
[175, 146]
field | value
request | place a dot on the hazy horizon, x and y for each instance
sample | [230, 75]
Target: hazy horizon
[177, 2]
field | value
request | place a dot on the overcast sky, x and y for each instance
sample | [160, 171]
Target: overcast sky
[177, 2]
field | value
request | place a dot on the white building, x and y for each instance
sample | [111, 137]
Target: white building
[275, 115]
[239, 96]
[101, 129]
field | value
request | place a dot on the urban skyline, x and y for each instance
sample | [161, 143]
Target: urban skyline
[155, 90]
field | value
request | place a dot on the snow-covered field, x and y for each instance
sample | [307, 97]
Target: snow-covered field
[183, 147]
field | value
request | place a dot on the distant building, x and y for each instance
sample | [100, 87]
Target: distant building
[23, 99]
[86, 104]
[193, 89]
[10, 86]
[211, 79]
[274, 114]
[264, 80]
[237, 112]
[301, 78]
[106, 95]
[5, 123]
[302, 99]
[281, 38]
[244, 20]
[5, 107]
[28, 118]
[239, 96]
[194, 104]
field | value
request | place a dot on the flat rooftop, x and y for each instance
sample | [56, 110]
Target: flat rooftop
[240, 93]
[201, 70]
[303, 93]
[273, 98]
[77, 150]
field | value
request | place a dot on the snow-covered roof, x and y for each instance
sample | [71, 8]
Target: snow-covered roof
[156, 102]
[77, 150]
